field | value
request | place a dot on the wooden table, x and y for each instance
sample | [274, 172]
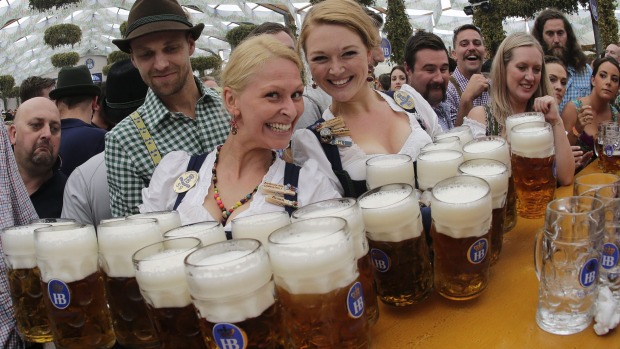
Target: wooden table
[504, 316]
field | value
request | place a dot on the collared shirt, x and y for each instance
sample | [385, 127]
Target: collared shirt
[47, 200]
[15, 209]
[453, 99]
[79, 142]
[445, 121]
[129, 165]
[578, 84]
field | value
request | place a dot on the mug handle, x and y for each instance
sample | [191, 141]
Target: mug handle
[538, 241]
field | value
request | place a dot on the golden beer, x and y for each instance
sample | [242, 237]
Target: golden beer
[317, 285]
[160, 274]
[349, 209]
[461, 211]
[398, 247]
[25, 283]
[233, 291]
[73, 286]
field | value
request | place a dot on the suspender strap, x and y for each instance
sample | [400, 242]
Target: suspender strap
[195, 162]
[291, 176]
[148, 140]
[456, 85]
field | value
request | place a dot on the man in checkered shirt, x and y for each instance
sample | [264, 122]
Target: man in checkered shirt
[15, 209]
[555, 34]
[178, 112]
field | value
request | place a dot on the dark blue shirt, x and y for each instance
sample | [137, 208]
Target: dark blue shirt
[79, 142]
[47, 200]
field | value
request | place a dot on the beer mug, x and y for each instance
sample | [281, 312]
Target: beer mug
[209, 232]
[73, 286]
[533, 156]
[607, 146]
[448, 143]
[463, 132]
[521, 118]
[316, 277]
[610, 268]
[232, 288]
[434, 166]
[166, 220]
[461, 208]
[496, 174]
[259, 226]
[25, 283]
[588, 182]
[161, 278]
[389, 168]
[567, 264]
[349, 209]
[118, 241]
[398, 246]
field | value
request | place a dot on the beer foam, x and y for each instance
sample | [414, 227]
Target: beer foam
[461, 210]
[18, 245]
[435, 166]
[161, 278]
[67, 253]
[208, 232]
[463, 132]
[391, 215]
[305, 263]
[534, 141]
[441, 146]
[259, 226]
[495, 174]
[483, 146]
[518, 119]
[166, 220]
[119, 241]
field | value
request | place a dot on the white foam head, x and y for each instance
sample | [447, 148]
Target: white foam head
[165, 219]
[160, 272]
[18, 245]
[461, 207]
[455, 144]
[389, 168]
[434, 166]
[492, 171]
[463, 132]
[532, 140]
[346, 208]
[119, 240]
[66, 252]
[208, 232]
[259, 226]
[489, 147]
[518, 119]
[313, 256]
[391, 213]
[227, 280]
[54, 221]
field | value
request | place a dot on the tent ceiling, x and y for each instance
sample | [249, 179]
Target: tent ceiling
[23, 52]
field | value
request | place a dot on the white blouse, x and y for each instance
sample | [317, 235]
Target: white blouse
[306, 147]
[313, 187]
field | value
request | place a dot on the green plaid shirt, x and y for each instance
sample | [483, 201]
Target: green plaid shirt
[128, 162]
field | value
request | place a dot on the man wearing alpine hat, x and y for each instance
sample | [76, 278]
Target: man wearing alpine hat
[179, 113]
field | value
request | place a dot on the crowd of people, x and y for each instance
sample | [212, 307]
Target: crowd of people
[87, 152]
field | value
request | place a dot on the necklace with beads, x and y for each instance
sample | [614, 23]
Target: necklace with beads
[218, 200]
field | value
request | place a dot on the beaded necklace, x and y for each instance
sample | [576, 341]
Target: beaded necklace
[226, 213]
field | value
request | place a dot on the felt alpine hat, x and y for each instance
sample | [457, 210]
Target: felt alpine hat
[74, 81]
[124, 91]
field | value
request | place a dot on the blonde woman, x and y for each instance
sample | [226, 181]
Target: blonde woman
[262, 91]
[520, 84]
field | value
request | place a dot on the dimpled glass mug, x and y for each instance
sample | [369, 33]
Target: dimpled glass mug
[567, 257]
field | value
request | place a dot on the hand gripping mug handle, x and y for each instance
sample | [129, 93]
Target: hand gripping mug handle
[538, 241]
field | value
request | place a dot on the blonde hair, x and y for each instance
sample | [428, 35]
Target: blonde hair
[500, 95]
[347, 13]
[250, 56]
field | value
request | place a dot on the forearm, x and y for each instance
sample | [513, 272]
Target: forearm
[465, 106]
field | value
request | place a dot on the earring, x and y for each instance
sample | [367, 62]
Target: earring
[313, 84]
[370, 78]
[234, 127]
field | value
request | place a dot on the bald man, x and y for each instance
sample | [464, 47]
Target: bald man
[35, 135]
[613, 50]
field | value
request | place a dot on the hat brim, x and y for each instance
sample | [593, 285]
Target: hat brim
[117, 114]
[123, 44]
[75, 90]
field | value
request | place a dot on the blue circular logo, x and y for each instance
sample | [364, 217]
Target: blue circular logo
[589, 273]
[355, 301]
[609, 150]
[478, 251]
[380, 260]
[610, 256]
[229, 336]
[59, 293]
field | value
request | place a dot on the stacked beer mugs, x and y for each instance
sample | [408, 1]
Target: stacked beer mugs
[389, 168]
[349, 209]
[166, 220]
[436, 165]
[398, 247]
[209, 232]
[317, 285]
[25, 283]
[259, 226]
[233, 291]
[73, 286]
[161, 277]
[533, 156]
[118, 241]
[461, 231]
[496, 174]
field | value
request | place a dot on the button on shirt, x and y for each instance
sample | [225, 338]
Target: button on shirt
[578, 84]
[453, 99]
[129, 165]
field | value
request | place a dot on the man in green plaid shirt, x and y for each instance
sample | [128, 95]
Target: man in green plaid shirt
[179, 113]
